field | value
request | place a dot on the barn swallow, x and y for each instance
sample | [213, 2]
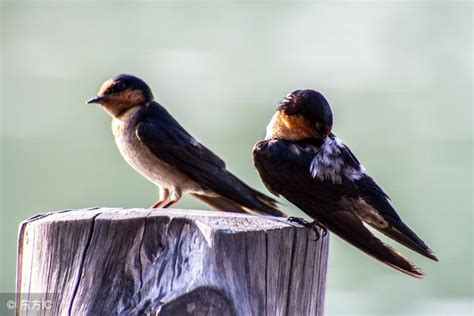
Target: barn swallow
[160, 149]
[302, 160]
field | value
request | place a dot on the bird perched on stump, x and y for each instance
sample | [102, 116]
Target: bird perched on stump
[160, 149]
[302, 160]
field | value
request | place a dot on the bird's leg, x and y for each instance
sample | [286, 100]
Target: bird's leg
[164, 195]
[314, 225]
[175, 196]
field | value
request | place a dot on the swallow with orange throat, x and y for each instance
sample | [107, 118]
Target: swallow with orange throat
[161, 150]
[302, 160]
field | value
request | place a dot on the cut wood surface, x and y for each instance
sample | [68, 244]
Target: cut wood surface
[170, 262]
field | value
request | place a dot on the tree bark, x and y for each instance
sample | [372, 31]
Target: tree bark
[170, 262]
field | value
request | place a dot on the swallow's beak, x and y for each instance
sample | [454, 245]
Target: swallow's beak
[96, 99]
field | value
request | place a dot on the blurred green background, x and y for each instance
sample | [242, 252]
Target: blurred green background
[398, 75]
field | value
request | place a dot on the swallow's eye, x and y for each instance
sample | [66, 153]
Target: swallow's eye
[117, 87]
[320, 127]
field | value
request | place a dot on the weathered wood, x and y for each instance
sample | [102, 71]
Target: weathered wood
[170, 262]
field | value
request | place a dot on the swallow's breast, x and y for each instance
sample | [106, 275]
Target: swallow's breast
[143, 160]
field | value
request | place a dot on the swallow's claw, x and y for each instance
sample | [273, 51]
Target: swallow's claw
[324, 230]
[316, 232]
[315, 226]
[299, 220]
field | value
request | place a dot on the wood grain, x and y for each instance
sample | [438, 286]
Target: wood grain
[170, 262]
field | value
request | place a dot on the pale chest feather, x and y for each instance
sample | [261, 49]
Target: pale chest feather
[142, 159]
[117, 127]
[131, 148]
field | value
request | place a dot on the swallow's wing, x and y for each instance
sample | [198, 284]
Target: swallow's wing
[170, 143]
[373, 199]
[326, 194]
[374, 207]
[160, 131]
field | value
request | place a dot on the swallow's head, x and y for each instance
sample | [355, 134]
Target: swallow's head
[300, 115]
[121, 93]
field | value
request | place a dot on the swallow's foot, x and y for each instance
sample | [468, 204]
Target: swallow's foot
[175, 196]
[299, 220]
[158, 204]
[170, 203]
[164, 196]
[314, 225]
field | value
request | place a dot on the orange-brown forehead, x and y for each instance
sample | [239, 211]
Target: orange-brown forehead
[105, 86]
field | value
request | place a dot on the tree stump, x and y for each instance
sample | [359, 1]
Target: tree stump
[170, 262]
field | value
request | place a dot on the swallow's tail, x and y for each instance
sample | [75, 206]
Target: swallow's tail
[404, 235]
[221, 203]
[224, 204]
[264, 204]
[350, 228]
[234, 195]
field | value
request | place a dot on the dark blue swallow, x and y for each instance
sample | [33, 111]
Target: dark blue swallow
[302, 160]
[160, 149]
